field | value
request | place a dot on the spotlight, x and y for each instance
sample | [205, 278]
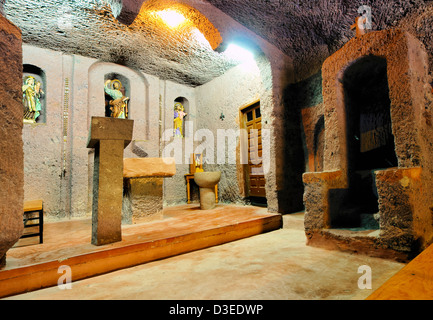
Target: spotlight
[238, 53]
[171, 18]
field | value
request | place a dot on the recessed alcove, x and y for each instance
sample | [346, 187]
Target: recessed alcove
[135, 86]
[319, 138]
[371, 195]
[369, 138]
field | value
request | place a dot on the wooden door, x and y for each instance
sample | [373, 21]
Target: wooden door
[253, 124]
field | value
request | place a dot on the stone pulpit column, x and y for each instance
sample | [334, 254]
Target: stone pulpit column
[109, 137]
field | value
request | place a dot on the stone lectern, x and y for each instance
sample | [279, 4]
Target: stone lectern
[109, 137]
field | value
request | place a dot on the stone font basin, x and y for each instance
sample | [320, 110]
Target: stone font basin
[207, 182]
[207, 179]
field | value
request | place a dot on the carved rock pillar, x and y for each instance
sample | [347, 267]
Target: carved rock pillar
[11, 143]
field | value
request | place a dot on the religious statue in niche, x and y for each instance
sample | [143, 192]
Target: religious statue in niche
[196, 164]
[179, 114]
[119, 103]
[32, 93]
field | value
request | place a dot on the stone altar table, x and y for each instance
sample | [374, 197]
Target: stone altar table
[143, 187]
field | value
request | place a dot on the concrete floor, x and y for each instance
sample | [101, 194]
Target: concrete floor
[276, 265]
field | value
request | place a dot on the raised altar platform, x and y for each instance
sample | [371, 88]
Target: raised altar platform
[183, 229]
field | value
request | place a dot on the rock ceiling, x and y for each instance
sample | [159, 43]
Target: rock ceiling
[307, 31]
[88, 28]
[296, 26]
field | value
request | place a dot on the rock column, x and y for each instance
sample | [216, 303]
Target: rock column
[11, 143]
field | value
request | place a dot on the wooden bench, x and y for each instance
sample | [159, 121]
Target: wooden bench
[30, 208]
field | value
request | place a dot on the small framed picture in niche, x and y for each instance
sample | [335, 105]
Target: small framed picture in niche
[196, 164]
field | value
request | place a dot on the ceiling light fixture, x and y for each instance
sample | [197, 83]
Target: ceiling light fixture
[171, 18]
[238, 53]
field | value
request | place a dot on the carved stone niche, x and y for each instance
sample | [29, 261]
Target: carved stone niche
[374, 193]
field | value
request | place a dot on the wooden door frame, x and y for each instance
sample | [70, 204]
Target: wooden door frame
[244, 180]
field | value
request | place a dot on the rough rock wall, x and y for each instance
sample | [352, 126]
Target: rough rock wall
[140, 90]
[43, 141]
[422, 95]
[179, 148]
[415, 18]
[161, 93]
[420, 24]
[58, 166]
[264, 80]
[11, 144]
[225, 96]
[303, 110]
